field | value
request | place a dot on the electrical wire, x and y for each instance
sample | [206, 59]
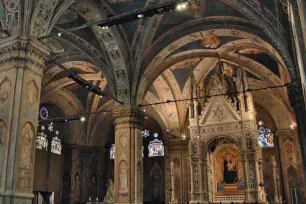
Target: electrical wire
[203, 97]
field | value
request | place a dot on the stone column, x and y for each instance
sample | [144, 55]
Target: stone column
[194, 171]
[21, 69]
[290, 136]
[297, 102]
[128, 163]
[298, 105]
[173, 196]
[275, 177]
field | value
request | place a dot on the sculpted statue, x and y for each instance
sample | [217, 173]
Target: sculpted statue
[109, 197]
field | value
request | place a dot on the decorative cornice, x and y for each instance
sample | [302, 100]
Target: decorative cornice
[286, 133]
[127, 114]
[21, 52]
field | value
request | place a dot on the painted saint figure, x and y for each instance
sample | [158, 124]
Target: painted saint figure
[77, 188]
[229, 170]
[123, 177]
[5, 90]
[26, 149]
[93, 187]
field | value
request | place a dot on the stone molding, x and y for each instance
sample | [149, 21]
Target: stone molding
[28, 53]
[126, 114]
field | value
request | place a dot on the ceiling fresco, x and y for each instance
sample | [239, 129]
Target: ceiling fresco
[151, 60]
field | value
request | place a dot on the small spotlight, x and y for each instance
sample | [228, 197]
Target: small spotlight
[59, 34]
[146, 118]
[144, 110]
[66, 120]
[101, 96]
[292, 127]
[167, 130]
[82, 119]
[140, 15]
[198, 136]
[181, 6]
[87, 87]
[184, 137]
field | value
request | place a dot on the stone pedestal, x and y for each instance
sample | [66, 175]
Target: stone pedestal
[128, 185]
[21, 70]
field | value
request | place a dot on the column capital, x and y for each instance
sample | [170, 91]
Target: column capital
[296, 94]
[286, 132]
[28, 53]
[127, 114]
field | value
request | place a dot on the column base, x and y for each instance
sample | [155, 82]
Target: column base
[7, 197]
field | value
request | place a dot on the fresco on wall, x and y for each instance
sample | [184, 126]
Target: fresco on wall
[123, 174]
[2, 134]
[156, 183]
[77, 188]
[26, 156]
[93, 187]
[228, 171]
[5, 89]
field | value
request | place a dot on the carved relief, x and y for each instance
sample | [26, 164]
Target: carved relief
[2, 139]
[123, 177]
[32, 92]
[123, 140]
[5, 89]
[217, 85]
[25, 160]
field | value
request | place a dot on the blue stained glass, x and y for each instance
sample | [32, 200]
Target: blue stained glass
[267, 130]
[112, 152]
[261, 130]
[56, 146]
[42, 141]
[265, 137]
[156, 147]
[146, 133]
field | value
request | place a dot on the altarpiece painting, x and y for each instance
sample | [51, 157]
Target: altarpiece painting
[228, 170]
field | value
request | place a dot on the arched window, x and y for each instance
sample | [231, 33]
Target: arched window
[265, 136]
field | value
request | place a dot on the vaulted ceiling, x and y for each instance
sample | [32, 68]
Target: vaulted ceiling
[150, 60]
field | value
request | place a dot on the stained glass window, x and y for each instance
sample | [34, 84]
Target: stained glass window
[156, 147]
[265, 136]
[42, 140]
[146, 133]
[56, 146]
[112, 152]
[43, 113]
